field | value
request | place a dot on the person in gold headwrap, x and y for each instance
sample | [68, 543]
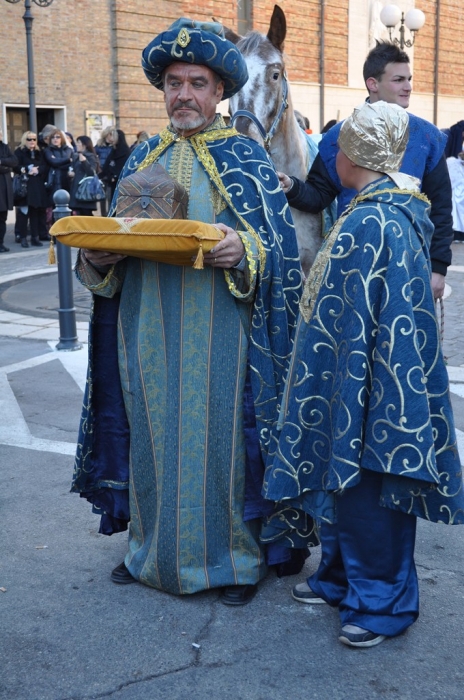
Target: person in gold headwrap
[201, 351]
[365, 441]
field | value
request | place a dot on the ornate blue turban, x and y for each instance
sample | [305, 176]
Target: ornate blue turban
[200, 43]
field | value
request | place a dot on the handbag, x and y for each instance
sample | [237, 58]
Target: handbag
[90, 189]
[19, 187]
[51, 181]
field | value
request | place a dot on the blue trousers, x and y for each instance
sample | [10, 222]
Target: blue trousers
[367, 566]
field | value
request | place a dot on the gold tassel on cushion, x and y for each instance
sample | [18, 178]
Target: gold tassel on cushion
[51, 253]
[198, 264]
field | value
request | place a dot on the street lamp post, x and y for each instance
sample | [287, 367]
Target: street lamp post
[28, 19]
[414, 20]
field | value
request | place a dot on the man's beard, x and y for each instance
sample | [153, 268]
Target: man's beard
[188, 124]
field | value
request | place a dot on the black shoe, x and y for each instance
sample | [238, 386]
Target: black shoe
[238, 595]
[4, 249]
[24, 243]
[36, 242]
[17, 238]
[45, 238]
[121, 574]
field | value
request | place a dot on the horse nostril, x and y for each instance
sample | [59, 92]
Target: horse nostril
[242, 124]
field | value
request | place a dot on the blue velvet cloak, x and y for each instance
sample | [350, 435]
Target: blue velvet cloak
[367, 385]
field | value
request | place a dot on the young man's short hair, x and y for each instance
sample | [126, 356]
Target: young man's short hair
[377, 59]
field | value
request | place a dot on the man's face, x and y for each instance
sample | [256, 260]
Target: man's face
[394, 86]
[191, 94]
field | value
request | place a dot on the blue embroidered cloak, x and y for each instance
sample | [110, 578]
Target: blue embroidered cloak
[367, 385]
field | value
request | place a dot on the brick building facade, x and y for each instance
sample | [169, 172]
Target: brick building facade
[87, 58]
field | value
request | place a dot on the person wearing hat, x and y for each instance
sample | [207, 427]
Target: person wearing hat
[365, 441]
[201, 352]
[387, 75]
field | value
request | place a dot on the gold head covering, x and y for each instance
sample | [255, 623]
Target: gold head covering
[375, 137]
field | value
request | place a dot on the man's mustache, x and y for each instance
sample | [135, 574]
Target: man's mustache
[185, 105]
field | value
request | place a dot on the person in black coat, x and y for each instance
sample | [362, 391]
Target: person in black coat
[60, 160]
[7, 162]
[30, 161]
[85, 165]
[455, 144]
[116, 159]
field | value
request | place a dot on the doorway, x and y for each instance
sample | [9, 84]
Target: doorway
[17, 121]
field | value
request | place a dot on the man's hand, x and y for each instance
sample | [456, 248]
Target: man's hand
[227, 252]
[286, 182]
[99, 258]
[438, 285]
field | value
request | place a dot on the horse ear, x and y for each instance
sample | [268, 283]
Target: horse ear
[277, 28]
[229, 33]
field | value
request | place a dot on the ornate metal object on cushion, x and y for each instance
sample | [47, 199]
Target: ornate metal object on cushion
[151, 194]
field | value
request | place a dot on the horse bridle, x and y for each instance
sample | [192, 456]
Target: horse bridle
[266, 136]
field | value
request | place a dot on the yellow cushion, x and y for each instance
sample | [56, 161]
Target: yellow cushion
[173, 241]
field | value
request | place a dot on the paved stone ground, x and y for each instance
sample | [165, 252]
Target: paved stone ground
[68, 633]
[453, 346]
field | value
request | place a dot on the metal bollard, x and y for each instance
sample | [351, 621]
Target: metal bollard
[67, 312]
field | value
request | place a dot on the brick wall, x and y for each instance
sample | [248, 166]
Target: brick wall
[72, 57]
[451, 28]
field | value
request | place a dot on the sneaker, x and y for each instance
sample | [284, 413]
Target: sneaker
[355, 636]
[303, 594]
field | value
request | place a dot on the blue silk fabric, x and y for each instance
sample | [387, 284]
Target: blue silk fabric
[187, 340]
[367, 385]
[425, 148]
[367, 565]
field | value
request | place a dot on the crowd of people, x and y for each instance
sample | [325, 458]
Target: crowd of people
[236, 413]
[53, 160]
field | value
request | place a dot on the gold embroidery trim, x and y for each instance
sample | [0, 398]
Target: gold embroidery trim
[318, 271]
[181, 164]
[166, 138]
[392, 190]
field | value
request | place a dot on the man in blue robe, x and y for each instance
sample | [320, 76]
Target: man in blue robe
[201, 352]
[387, 75]
[365, 441]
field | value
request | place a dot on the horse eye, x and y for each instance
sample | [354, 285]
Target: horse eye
[275, 76]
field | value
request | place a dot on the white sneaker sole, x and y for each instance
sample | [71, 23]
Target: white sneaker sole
[362, 645]
[309, 601]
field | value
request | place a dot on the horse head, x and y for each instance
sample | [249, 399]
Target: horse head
[263, 110]
[265, 95]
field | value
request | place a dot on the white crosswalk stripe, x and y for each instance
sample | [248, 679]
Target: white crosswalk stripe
[14, 430]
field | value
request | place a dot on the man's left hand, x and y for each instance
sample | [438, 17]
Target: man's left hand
[227, 252]
[438, 285]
